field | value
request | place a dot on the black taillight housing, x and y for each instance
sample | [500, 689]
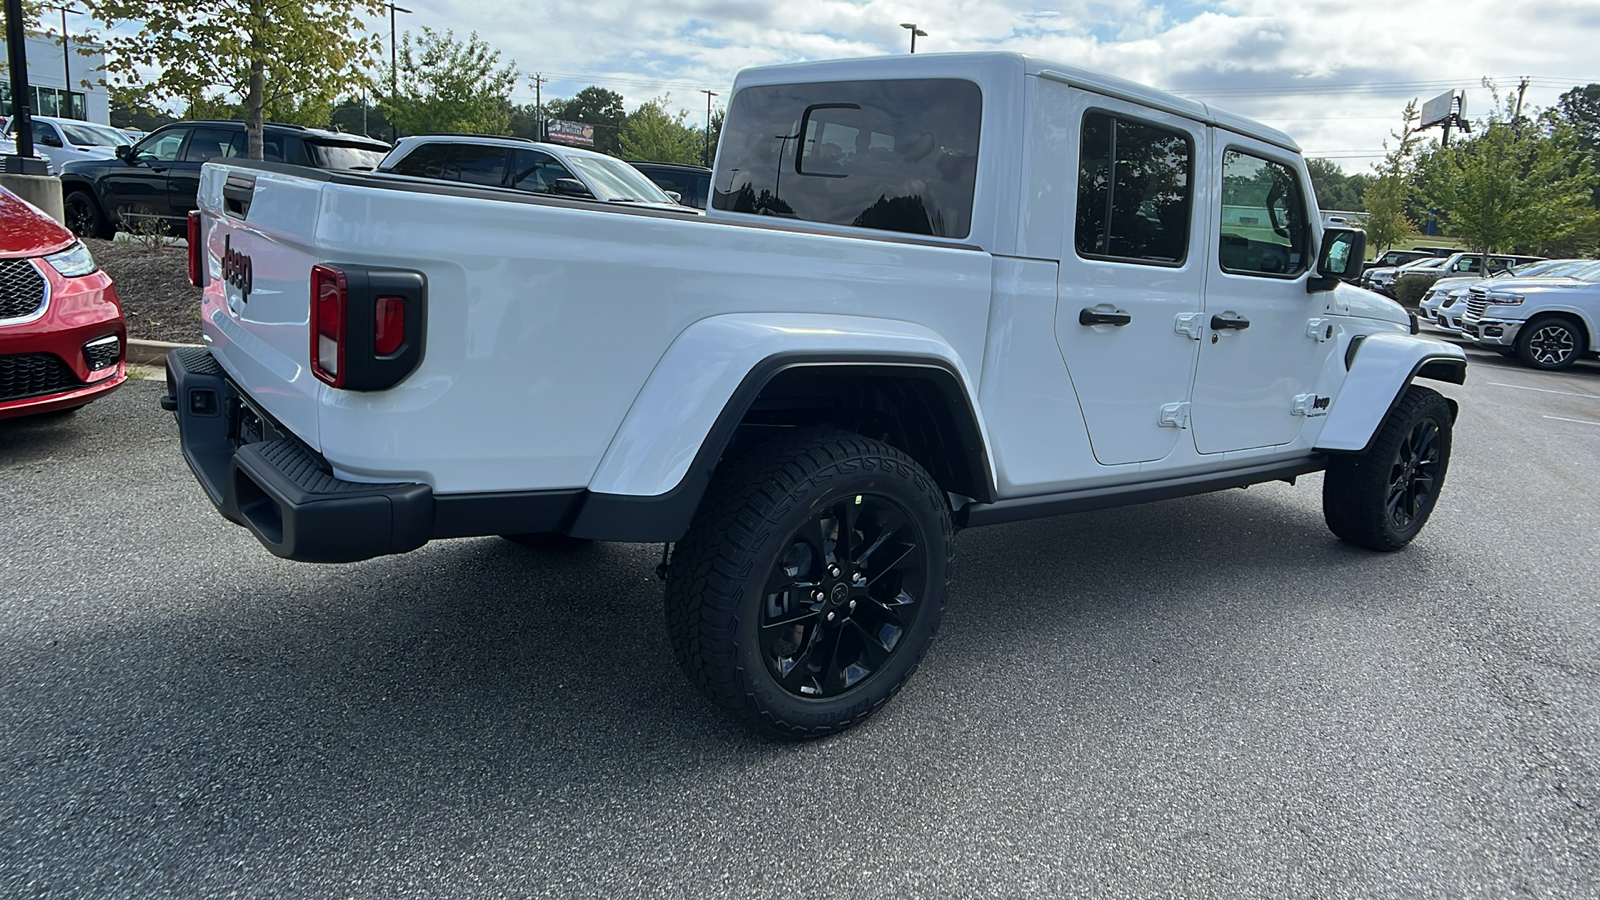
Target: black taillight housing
[367, 325]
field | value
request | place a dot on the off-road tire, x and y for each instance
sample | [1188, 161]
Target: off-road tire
[761, 509]
[1381, 498]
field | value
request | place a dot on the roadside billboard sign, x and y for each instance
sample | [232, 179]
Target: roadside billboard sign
[577, 134]
[1438, 109]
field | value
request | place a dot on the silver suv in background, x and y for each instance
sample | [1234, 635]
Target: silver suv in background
[523, 165]
[1445, 302]
[1547, 323]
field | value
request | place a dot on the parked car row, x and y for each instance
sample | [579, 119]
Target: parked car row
[60, 141]
[1382, 278]
[1444, 303]
[1546, 321]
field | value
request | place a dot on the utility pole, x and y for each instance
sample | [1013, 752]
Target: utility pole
[538, 105]
[66, 55]
[709, 95]
[394, 67]
[1521, 89]
[21, 111]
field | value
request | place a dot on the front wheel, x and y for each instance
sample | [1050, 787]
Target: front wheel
[1552, 343]
[810, 582]
[84, 217]
[1381, 498]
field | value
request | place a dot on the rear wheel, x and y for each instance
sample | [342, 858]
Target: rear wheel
[1380, 499]
[1551, 343]
[810, 582]
[85, 218]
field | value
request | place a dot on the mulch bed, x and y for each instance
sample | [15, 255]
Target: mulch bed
[157, 299]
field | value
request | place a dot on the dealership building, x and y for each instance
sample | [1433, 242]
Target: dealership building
[49, 66]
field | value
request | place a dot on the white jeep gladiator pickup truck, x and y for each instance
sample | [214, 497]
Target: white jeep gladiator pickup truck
[931, 292]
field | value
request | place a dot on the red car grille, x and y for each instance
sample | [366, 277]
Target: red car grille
[21, 289]
[34, 375]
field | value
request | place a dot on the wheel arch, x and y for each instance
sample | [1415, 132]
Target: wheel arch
[911, 393]
[1381, 368]
[1585, 324]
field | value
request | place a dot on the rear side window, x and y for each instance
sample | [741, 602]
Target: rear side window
[429, 161]
[1135, 191]
[345, 156]
[210, 143]
[1264, 230]
[891, 155]
[482, 165]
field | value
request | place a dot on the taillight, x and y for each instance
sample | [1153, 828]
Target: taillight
[329, 295]
[388, 325]
[195, 253]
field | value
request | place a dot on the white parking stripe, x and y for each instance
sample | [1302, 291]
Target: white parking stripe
[1543, 390]
[1579, 421]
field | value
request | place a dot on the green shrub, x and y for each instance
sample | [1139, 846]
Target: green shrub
[1411, 287]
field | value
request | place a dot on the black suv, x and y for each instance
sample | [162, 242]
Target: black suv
[156, 180]
[692, 183]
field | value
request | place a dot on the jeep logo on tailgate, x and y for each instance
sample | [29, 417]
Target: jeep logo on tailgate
[236, 269]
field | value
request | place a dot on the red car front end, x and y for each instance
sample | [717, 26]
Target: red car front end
[62, 335]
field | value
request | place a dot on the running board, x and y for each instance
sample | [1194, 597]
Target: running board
[975, 514]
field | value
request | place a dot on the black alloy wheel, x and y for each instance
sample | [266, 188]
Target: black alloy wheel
[810, 582]
[842, 596]
[1414, 475]
[83, 216]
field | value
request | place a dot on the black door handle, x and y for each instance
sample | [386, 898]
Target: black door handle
[1229, 320]
[1101, 317]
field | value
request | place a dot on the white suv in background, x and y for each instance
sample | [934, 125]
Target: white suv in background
[1444, 303]
[1548, 323]
[524, 165]
[68, 140]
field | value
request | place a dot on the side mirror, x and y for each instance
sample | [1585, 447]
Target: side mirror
[676, 197]
[124, 153]
[570, 187]
[1339, 259]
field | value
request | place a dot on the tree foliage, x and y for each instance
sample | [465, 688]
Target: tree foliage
[598, 107]
[1335, 189]
[443, 84]
[1515, 184]
[651, 133]
[278, 55]
[1387, 197]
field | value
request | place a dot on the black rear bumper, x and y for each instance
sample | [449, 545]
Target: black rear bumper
[260, 476]
[279, 488]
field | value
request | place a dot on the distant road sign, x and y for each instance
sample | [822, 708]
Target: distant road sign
[578, 134]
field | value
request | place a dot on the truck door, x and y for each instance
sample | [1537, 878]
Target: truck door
[1264, 338]
[1131, 276]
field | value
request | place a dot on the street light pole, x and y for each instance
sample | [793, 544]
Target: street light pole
[394, 67]
[915, 33]
[21, 113]
[707, 154]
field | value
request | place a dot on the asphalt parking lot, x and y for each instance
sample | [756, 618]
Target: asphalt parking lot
[1208, 697]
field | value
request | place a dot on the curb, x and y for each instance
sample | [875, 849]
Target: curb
[150, 353]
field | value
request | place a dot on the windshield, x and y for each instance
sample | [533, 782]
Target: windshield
[88, 134]
[1432, 262]
[345, 156]
[1591, 272]
[1550, 268]
[615, 180]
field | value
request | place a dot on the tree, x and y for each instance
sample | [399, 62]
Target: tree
[127, 112]
[448, 85]
[598, 107]
[1387, 197]
[266, 54]
[1514, 184]
[651, 133]
[1579, 108]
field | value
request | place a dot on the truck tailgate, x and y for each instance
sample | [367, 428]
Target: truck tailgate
[257, 233]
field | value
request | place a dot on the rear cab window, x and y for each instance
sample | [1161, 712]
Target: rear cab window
[1135, 191]
[356, 157]
[897, 155]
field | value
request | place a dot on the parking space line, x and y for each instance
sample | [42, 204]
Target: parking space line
[1543, 390]
[1579, 421]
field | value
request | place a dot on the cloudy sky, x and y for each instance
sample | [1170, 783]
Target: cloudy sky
[1333, 73]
